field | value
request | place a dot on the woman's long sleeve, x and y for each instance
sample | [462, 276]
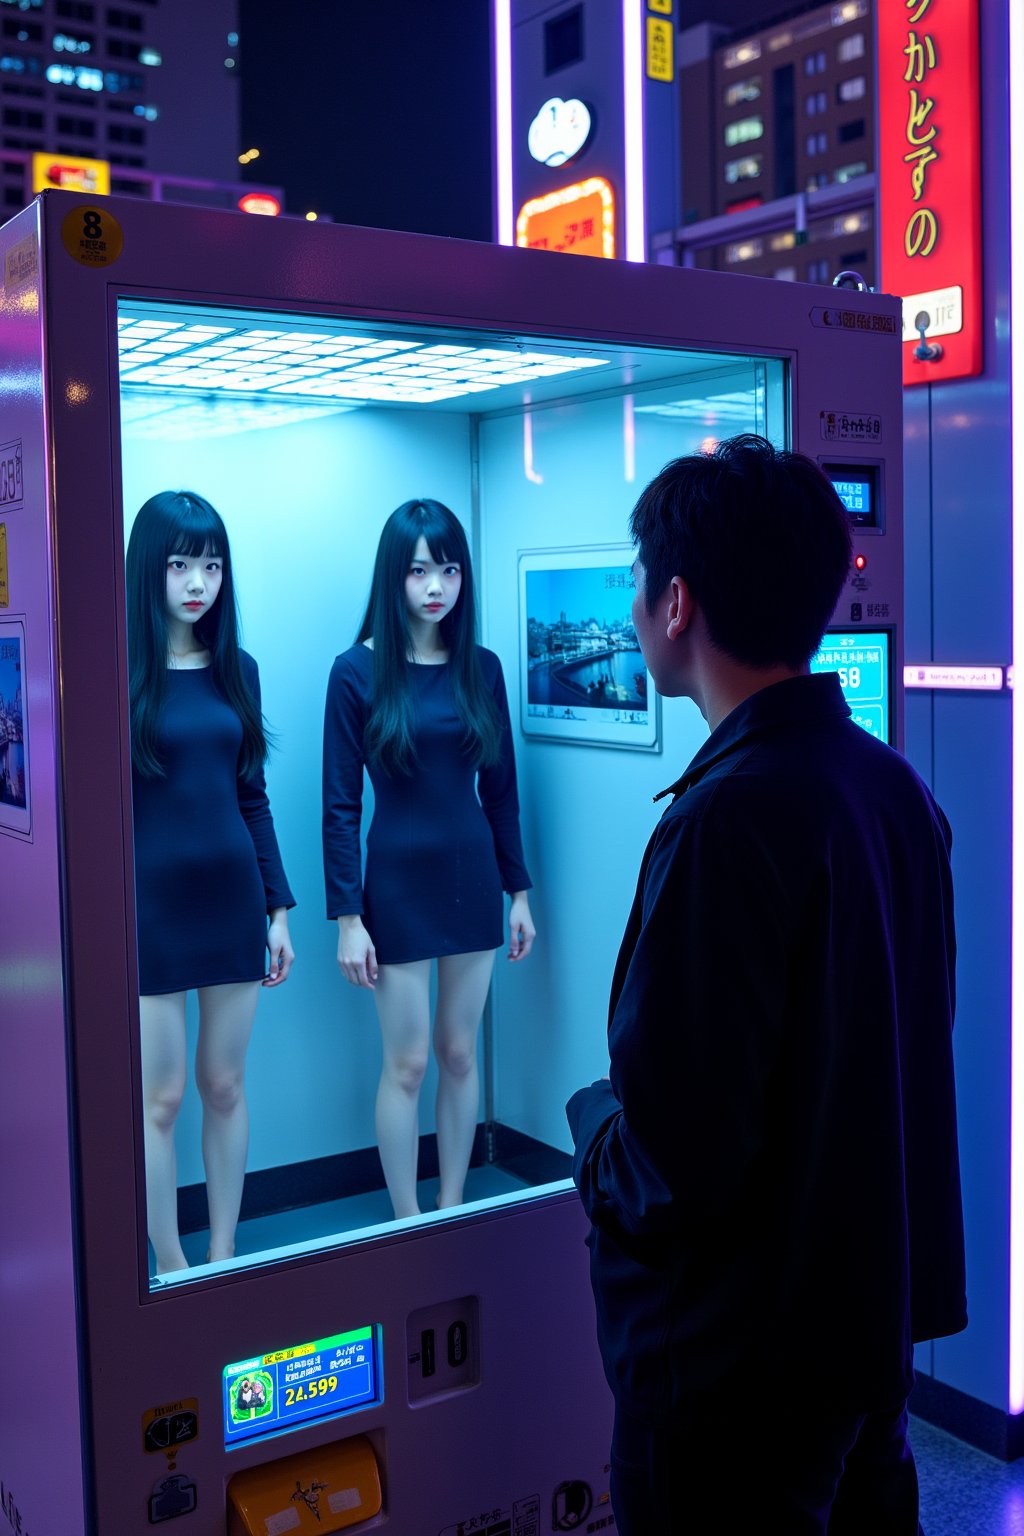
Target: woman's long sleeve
[255, 808]
[344, 724]
[499, 796]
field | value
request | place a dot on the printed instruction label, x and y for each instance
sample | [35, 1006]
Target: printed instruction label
[855, 320]
[851, 427]
[21, 265]
[12, 480]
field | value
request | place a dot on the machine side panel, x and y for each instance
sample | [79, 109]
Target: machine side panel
[40, 1469]
[971, 538]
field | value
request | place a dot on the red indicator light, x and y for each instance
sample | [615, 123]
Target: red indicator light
[860, 561]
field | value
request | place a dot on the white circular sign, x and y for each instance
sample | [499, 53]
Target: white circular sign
[559, 131]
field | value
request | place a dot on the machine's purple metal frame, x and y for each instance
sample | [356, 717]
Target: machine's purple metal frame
[75, 1304]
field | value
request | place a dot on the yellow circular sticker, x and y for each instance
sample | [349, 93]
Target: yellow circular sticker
[92, 235]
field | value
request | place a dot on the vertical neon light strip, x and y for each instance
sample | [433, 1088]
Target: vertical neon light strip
[502, 20]
[1016, 43]
[633, 125]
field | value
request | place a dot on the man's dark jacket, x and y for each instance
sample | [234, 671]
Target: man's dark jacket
[772, 1170]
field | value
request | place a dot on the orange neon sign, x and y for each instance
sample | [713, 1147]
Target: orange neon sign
[260, 202]
[579, 218]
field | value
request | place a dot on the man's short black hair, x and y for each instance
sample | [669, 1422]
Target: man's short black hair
[761, 539]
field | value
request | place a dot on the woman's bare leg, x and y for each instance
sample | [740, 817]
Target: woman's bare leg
[162, 1032]
[226, 1015]
[402, 995]
[462, 983]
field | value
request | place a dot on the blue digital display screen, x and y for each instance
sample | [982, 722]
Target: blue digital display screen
[861, 657]
[287, 1387]
[856, 496]
[857, 486]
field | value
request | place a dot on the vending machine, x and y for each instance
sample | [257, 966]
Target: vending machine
[346, 1370]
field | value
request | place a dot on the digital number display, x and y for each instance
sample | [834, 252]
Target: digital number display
[857, 486]
[862, 660]
[287, 1387]
[855, 496]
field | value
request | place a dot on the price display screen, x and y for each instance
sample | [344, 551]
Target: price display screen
[861, 657]
[856, 497]
[287, 1387]
[856, 485]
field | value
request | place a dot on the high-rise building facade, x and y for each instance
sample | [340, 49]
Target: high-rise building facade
[778, 130]
[149, 86]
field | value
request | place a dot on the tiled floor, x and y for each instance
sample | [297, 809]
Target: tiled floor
[963, 1491]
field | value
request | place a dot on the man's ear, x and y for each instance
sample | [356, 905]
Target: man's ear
[681, 608]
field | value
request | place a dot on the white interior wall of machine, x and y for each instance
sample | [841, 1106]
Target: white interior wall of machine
[304, 491]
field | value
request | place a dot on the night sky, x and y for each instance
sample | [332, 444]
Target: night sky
[378, 111]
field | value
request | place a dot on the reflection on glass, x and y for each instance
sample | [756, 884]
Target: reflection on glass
[307, 432]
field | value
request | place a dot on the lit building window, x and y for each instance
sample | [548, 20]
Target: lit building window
[746, 169]
[850, 48]
[812, 144]
[779, 40]
[149, 56]
[811, 104]
[75, 74]
[852, 223]
[852, 89]
[742, 53]
[785, 274]
[743, 250]
[848, 172]
[850, 10]
[822, 101]
[784, 241]
[743, 90]
[822, 143]
[63, 42]
[743, 130]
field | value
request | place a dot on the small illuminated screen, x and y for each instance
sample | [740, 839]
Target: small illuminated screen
[855, 495]
[857, 488]
[278, 1391]
[862, 660]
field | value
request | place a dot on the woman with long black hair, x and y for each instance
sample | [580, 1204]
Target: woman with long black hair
[423, 708]
[211, 893]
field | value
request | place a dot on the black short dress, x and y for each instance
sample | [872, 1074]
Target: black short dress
[444, 840]
[207, 864]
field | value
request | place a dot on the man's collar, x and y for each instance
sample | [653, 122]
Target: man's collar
[791, 702]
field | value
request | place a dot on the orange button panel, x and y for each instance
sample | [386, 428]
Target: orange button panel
[329, 1489]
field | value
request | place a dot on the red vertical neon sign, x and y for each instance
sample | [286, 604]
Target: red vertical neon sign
[930, 178]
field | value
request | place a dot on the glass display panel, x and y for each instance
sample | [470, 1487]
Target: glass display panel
[305, 433]
[274, 1392]
[863, 660]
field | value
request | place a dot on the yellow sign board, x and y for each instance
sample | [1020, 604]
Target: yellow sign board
[70, 173]
[659, 49]
[579, 218]
[663, 7]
